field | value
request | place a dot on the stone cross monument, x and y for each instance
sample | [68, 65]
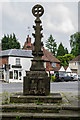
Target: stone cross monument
[36, 81]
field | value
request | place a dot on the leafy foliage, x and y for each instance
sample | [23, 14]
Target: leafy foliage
[52, 78]
[61, 50]
[10, 42]
[65, 59]
[75, 43]
[51, 45]
[5, 98]
[66, 51]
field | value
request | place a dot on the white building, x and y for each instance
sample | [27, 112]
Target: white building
[15, 63]
[68, 71]
[74, 65]
[62, 71]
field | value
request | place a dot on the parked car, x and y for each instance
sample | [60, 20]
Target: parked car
[61, 77]
[76, 77]
[65, 78]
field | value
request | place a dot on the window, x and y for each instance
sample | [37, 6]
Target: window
[20, 74]
[53, 64]
[15, 74]
[11, 75]
[75, 63]
[17, 61]
[1, 75]
[79, 63]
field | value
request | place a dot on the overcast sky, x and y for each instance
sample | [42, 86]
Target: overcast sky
[59, 19]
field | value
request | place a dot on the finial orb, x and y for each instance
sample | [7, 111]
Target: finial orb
[37, 10]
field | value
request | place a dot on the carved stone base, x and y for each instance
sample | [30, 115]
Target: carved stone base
[36, 83]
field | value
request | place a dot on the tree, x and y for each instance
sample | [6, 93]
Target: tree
[66, 51]
[51, 45]
[10, 42]
[65, 59]
[61, 50]
[75, 43]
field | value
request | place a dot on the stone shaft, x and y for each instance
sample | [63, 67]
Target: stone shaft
[36, 81]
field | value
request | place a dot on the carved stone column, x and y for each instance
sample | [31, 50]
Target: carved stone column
[37, 81]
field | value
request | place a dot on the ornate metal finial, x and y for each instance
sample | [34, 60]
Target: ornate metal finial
[38, 11]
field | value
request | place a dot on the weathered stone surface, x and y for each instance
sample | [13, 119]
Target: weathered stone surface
[20, 98]
[33, 108]
[39, 116]
[37, 82]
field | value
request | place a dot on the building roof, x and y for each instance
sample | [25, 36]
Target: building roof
[68, 70]
[16, 52]
[76, 59]
[49, 57]
[56, 68]
[62, 69]
[45, 58]
[28, 53]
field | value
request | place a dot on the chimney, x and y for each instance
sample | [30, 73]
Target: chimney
[29, 40]
[27, 44]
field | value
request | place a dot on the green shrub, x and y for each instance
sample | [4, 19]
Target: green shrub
[52, 78]
[5, 97]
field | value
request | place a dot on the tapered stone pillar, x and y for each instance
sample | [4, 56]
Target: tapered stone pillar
[37, 82]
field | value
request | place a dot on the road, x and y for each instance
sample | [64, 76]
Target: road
[65, 86]
[54, 87]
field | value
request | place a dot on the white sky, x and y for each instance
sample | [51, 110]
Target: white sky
[60, 19]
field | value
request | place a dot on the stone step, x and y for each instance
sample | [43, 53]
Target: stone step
[30, 108]
[20, 98]
[39, 108]
[39, 116]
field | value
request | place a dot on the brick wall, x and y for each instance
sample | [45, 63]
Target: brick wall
[3, 61]
[58, 65]
[48, 66]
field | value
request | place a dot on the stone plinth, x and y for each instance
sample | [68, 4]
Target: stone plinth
[36, 83]
[20, 98]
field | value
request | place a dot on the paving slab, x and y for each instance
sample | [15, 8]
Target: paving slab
[70, 98]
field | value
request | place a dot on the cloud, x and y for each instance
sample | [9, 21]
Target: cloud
[0, 20]
[4, 0]
[10, 11]
[15, 10]
[58, 19]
